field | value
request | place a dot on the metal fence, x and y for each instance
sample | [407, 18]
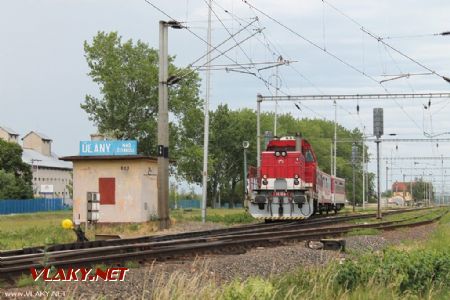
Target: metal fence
[19, 206]
[186, 203]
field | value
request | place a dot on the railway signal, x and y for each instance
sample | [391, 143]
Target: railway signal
[378, 132]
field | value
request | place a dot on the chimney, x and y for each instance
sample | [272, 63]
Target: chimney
[97, 137]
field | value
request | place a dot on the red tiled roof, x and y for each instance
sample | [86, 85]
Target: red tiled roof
[400, 186]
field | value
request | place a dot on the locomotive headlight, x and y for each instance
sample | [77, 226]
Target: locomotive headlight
[277, 153]
[283, 153]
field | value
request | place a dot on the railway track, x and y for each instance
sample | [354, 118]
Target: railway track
[221, 241]
[231, 230]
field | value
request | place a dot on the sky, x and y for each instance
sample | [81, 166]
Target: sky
[43, 72]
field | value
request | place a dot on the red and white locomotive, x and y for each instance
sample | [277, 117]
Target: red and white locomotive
[289, 184]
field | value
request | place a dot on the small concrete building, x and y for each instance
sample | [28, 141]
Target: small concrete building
[9, 135]
[127, 185]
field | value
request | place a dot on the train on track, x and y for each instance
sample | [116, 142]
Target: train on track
[289, 184]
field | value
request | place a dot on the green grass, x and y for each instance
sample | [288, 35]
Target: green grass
[420, 214]
[216, 215]
[27, 280]
[44, 228]
[26, 230]
[131, 264]
[363, 231]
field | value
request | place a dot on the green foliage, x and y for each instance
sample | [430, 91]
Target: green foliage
[131, 264]
[226, 162]
[254, 288]
[15, 175]
[225, 216]
[127, 76]
[27, 237]
[415, 271]
[26, 230]
[239, 218]
[392, 275]
[26, 280]
[420, 189]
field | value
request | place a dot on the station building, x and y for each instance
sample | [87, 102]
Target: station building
[125, 182]
[9, 135]
[51, 177]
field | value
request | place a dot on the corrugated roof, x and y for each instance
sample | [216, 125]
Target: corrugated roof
[9, 130]
[41, 135]
[32, 157]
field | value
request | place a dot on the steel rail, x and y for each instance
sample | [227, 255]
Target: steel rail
[215, 238]
[236, 230]
[167, 249]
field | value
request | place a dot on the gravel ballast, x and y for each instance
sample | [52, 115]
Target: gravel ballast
[264, 262]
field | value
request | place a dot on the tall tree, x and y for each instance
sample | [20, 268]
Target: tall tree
[15, 175]
[127, 76]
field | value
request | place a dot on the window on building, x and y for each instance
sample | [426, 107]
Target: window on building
[107, 190]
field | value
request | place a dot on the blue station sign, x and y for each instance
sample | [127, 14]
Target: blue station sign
[98, 148]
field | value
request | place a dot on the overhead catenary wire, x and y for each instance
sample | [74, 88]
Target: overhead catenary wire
[232, 36]
[356, 69]
[221, 53]
[238, 44]
[415, 35]
[275, 53]
[381, 40]
[266, 83]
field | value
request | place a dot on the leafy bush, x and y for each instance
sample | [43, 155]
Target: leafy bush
[415, 271]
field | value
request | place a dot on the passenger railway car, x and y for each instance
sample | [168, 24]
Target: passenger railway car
[289, 184]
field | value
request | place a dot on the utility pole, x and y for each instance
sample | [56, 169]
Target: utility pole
[442, 184]
[331, 158]
[245, 145]
[163, 124]
[364, 175]
[206, 134]
[354, 154]
[280, 60]
[258, 132]
[378, 132]
[163, 129]
[387, 178]
[334, 148]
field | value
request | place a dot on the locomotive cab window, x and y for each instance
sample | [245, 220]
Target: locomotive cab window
[308, 156]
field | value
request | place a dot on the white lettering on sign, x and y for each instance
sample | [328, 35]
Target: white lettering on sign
[108, 148]
[86, 148]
